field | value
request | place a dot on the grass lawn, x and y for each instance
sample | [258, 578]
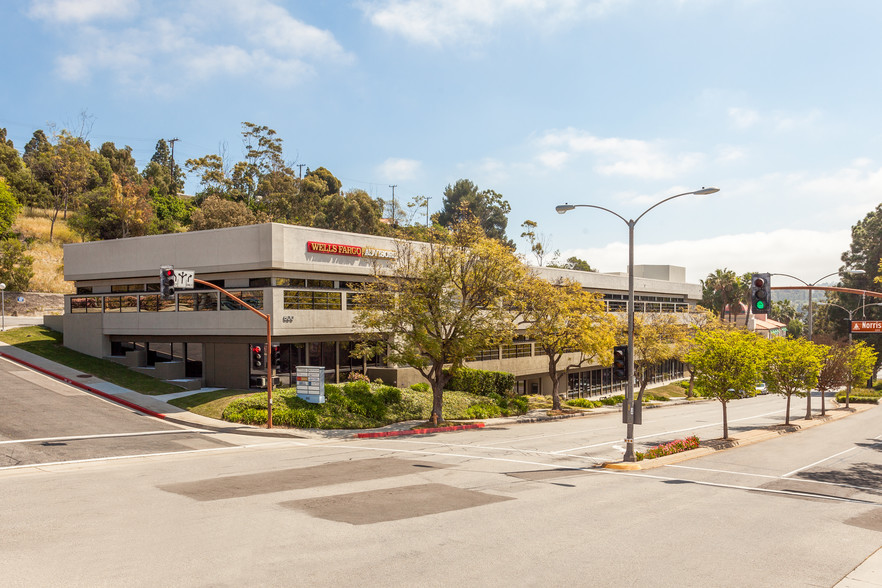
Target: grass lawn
[47, 343]
[210, 404]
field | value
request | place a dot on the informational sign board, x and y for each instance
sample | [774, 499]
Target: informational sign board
[184, 279]
[311, 383]
[866, 326]
[20, 299]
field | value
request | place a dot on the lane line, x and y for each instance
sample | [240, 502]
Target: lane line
[806, 480]
[105, 436]
[817, 462]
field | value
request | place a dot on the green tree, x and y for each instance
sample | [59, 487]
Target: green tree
[439, 303]
[658, 337]
[726, 361]
[719, 290]
[9, 208]
[163, 172]
[170, 213]
[355, 212]
[489, 207]
[864, 253]
[538, 242]
[217, 213]
[24, 187]
[16, 267]
[574, 263]
[792, 368]
[862, 362]
[564, 320]
[698, 321]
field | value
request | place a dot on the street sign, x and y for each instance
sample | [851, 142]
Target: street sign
[184, 279]
[866, 326]
[20, 299]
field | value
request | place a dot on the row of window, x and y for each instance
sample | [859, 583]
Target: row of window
[252, 283]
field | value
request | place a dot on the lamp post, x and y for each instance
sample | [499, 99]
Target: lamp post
[628, 407]
[850, 317]
[3, 306]
[815, 283]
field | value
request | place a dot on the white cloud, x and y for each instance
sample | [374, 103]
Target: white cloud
[81, 11]
[395, 169]
[198, 41]
[437, 22]
[615, 156]
[806, 254]
[746, 118]
[743, 118]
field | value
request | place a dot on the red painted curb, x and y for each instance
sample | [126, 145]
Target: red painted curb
[89, 389]
[419, 431]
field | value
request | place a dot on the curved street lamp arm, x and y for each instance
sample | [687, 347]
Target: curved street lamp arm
[626, 221]
[794, 277]
[661, 202]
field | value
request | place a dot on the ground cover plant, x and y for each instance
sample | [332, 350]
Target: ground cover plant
[362, 405]
[861, 396]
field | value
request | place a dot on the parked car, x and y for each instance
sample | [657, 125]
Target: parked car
[761, 388]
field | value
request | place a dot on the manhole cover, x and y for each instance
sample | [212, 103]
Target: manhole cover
[84, 375]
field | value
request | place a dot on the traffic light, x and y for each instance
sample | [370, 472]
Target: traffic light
[277, 358]
[167, 281]
[257, 357]
[620, 363]
[760, 294]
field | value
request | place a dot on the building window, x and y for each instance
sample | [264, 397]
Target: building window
[307, 300]
[85, 304]
[516, 349]
[320, 284]
[252, 297]
[290, 282]
[128, 288]
[84, 289]
[148, 303]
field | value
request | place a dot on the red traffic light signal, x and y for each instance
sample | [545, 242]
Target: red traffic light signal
[257, 358]
[167, 281]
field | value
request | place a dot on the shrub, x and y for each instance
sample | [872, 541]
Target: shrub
[612, 400]
[389, 395]
[481, 382]
[583, 403]
[301, 418]
[671, 448]
[357, 377]
[420, 387]
[484, 410]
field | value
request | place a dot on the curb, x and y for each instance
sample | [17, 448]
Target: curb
[418, 431]
[82, 386]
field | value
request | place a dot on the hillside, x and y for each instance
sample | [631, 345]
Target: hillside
[33, 226]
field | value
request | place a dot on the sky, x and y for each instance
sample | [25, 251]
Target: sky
[613, 103]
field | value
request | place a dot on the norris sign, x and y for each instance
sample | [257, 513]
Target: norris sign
[866, 326]
[350, 250]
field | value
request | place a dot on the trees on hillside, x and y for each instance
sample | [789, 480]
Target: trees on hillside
[439, 303]
[487, 206]
[564, 319]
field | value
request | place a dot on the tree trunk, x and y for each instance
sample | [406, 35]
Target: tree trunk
[787, 412]
[437, 403]
[690, 393]
[823, 404]
[808, 405]
[555, 382]
[725, 421]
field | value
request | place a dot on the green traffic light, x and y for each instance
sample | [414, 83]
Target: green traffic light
[760, 304]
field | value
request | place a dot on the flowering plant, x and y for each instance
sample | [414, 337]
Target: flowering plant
[670, 448]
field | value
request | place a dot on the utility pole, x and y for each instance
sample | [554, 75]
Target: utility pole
[300, 169]
[171, 167]
[393, 186]
[427, 210]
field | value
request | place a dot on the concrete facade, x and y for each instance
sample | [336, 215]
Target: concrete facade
[299, 276]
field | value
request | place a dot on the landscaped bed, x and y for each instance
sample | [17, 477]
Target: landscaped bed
[361, 405]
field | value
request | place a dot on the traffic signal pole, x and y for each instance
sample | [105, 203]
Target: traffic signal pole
[269, 344]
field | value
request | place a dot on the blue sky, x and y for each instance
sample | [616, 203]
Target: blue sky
[617, 103]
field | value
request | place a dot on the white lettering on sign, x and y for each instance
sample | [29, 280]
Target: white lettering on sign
[866, 326]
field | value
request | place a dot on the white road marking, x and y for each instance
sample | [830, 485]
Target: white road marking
[105, 436]
[817, 462]
[807, 481]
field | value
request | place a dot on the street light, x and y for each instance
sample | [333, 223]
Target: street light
[3, 305]
[628, 408]
[815, 283]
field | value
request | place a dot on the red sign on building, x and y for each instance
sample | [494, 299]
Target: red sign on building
[866, 326]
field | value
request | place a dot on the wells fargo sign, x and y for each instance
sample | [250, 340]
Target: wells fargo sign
[350, 250]
[866, 326]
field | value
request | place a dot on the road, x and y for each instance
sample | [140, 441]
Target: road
[515, 505]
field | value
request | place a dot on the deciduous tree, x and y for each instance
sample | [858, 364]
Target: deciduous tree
[439, 303]
[792, 367]
[726, 361]
[567, 323]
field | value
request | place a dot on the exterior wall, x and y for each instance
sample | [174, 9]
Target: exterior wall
[85, 333]
[225, 365]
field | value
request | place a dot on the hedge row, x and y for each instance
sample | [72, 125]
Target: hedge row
[481, 382]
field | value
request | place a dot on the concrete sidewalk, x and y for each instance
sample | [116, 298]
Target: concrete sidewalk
[866, 575]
